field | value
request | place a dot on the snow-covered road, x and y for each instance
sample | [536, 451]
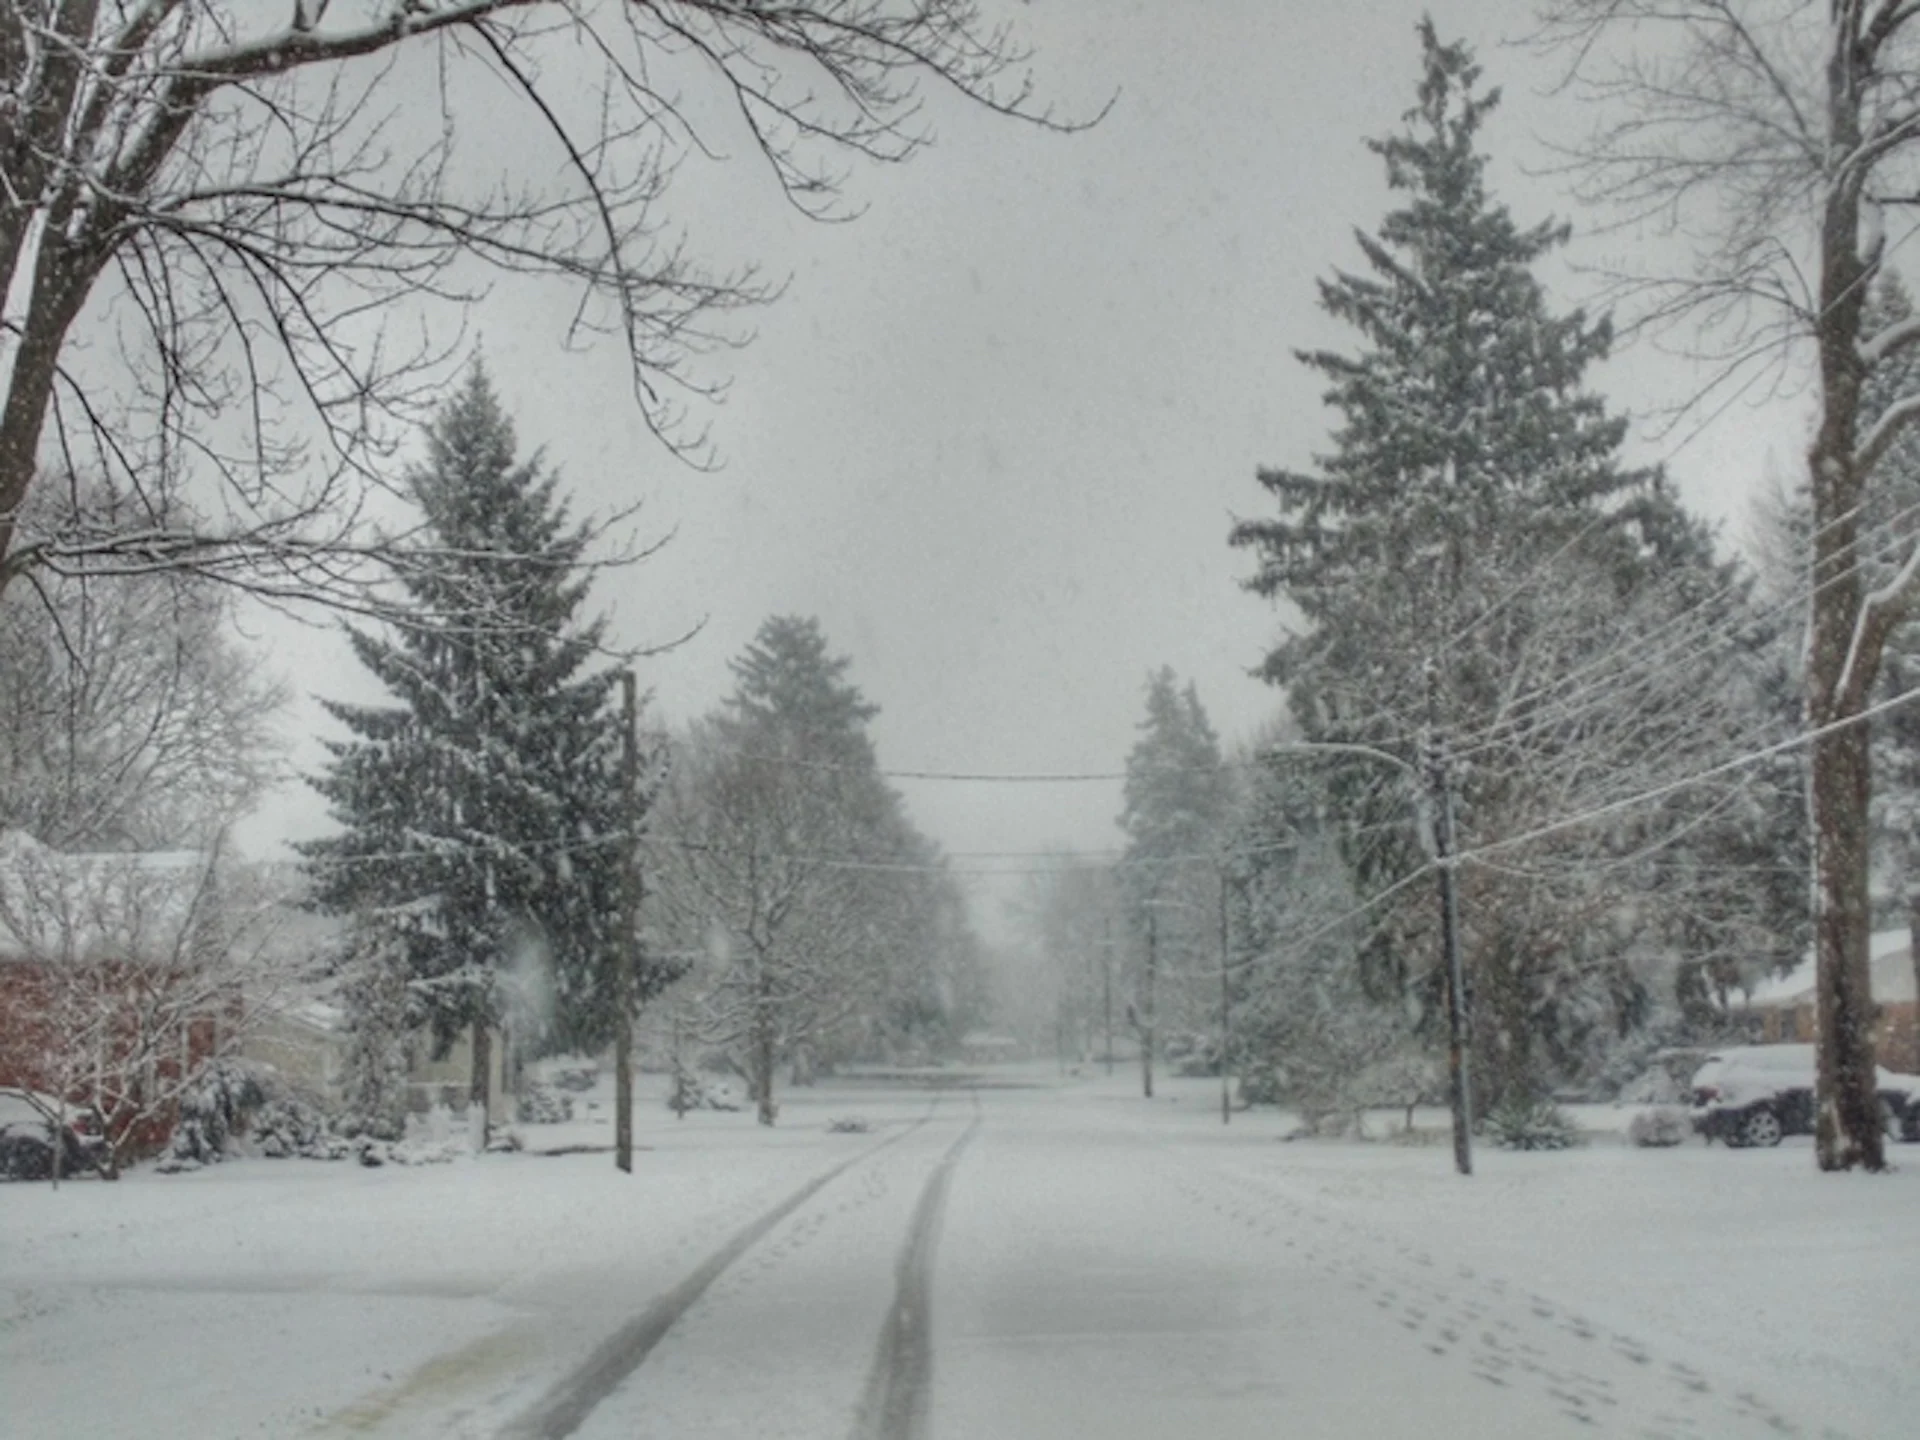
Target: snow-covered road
[1056, 1260]
[1093, 1282]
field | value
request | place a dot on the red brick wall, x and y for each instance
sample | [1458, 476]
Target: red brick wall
[29, 1037]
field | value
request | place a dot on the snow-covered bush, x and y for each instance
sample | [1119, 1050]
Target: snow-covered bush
[1659, 1125]
[692, 1092]
[213, 1111]
[288, 1126]
[542, 1104]
[232, 1104]
[580, 1076]
[1531, 1125]
[374, 1153]
[1262, 1083]
[373, 993]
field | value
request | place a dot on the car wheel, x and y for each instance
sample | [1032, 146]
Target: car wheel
[1889, 1118]
[1760, 1127]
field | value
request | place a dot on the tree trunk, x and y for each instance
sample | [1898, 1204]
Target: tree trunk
[478, 1084]
[1843, 654]
[1913, 955]
[1146, 1012]
[762, 1063]
[1848, 1129]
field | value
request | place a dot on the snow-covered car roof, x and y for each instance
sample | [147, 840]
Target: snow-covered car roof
[18, 1109]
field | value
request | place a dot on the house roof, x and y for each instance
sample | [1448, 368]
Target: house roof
[93, 907]
[1892, 980]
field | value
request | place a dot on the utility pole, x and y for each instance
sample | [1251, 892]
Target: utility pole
[627, 961]
[1106, 976]
[1459, 1046]
[1226, 1008]
[1146, 1012]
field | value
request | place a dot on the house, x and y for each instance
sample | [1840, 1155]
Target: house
[113, 989]
[307, 1042]
[984, 1047]
[1784, 1005]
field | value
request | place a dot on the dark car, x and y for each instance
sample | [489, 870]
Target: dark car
[26, 1139]
[1756, 1094]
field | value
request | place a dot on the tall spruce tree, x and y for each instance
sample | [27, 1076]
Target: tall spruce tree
[1473, 515]
[482, 813]
[787, 834]
[1175, 807]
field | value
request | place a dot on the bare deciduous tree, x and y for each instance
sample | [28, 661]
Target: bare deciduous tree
[747, 871]
[1781, 139]
[132, 714]
[230, 233]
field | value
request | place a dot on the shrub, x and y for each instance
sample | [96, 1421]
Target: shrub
[231, 1101]
[542, 1104]
[1659, 1125]
[690, 1092]
[213, 1112]
[1531, 1125]
[575, 1077]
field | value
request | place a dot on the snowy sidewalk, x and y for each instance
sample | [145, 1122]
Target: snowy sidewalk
[280, 1298]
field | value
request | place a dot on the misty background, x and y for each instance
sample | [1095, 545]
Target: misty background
[996, 427]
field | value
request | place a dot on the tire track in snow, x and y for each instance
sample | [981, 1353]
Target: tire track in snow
[562, 1409]
[900, 1383]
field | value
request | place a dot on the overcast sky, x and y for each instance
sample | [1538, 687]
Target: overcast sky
[994, 433]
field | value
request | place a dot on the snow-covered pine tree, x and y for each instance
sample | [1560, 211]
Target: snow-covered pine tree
[1174, 809]
[374, 1003]
[787, 838]
[1473, 512]
[482, 813]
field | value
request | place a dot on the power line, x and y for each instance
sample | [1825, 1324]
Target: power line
[1686, 782]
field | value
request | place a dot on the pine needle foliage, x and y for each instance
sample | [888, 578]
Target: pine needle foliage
[482, 813]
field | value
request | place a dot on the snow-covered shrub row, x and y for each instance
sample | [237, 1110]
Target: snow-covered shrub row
[577, 1077]
[1531, 1125]
[691, 1092]
[234, 1105]
[373, 1153]
[542, 1104]
[233, 1102]
[1659, 1125]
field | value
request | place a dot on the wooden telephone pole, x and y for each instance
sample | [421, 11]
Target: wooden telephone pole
[628, 960]
[1459, 1038]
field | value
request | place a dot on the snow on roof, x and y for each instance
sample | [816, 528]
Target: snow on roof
[99, 906]
[1891, 982]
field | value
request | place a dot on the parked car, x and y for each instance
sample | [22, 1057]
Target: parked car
[1900, 1104]
[26, 1139]
[1757, 1094]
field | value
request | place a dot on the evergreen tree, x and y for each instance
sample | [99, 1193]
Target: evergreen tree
[373, 996]
[779, 810]
[831, 927]
[1473, 515]
[1175, 806]
[482, 813]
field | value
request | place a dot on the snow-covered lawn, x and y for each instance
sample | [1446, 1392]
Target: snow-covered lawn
[1729, 1292]
[269, 1297]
